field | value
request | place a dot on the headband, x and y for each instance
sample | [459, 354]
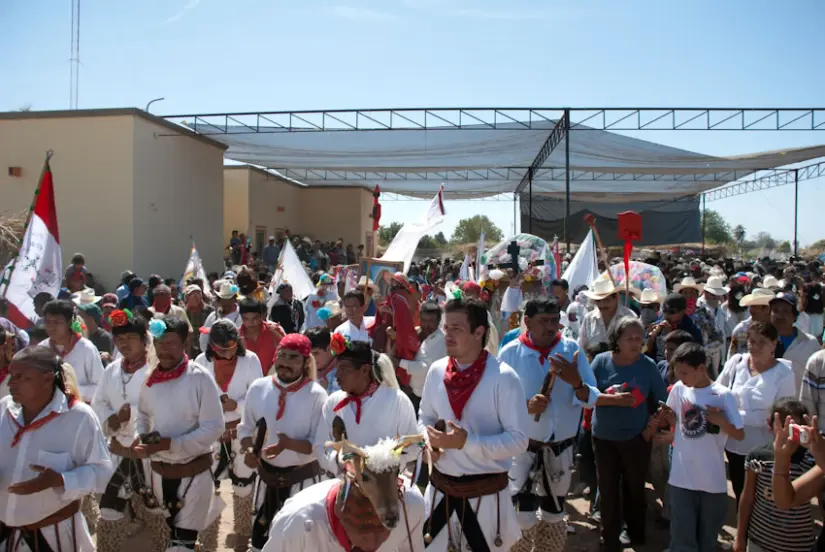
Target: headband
[298, 343]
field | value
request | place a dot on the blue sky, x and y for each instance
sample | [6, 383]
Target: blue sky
[257, 55]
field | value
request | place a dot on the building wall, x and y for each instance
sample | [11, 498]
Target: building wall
[92, 168]
[273, 205]
[330, 213]
[178, 197]
[235, 201]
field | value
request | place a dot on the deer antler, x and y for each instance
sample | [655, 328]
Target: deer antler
[410, 440]
[344, 447]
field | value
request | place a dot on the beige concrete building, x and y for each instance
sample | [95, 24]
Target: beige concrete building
[262, 205]
[132, 190]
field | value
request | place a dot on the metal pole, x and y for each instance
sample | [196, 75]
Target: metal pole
[566, 176]
[530, 196]
[704, 221]
[151, 102]
[515, 196]
[795, 211]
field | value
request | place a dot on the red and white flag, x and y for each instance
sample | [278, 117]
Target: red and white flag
[38, 266]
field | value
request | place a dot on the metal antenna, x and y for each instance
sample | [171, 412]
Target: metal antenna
[74, 59]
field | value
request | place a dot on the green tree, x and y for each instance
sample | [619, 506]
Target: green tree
[428, 242]
[716, 228]
[387, 233]
[784, 247]
[765, 240]
[440, 239]
[468, 230]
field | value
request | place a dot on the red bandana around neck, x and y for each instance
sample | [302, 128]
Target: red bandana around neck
[335, 523]
[160, 376]
[543, 353]
[23, 429]
[131, 367]
[286, 391]
[461, 384]
[357, 399]
[224, 370]
[4, 373]
[75, 338]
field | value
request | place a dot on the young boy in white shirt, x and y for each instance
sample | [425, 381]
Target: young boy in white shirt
[705, 415]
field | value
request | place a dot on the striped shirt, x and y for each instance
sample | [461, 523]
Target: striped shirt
[773, 529]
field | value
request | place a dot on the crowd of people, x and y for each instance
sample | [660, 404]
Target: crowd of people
[445, 415]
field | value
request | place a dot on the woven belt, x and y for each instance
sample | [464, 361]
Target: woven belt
[278, 478]
[470, 486]
[179, 471]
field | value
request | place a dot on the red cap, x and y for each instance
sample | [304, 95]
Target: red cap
[298, 343]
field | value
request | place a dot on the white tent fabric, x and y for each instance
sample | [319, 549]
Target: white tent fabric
[488, 162]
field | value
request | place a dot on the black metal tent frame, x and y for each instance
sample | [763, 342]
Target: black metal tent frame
[566, 120]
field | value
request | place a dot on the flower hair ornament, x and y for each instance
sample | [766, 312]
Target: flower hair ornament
[78, 327]
[338, 344]
[157, 328]
[119, 318]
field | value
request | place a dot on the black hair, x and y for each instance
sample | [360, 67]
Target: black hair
[429, 307]
[170, 282]
[154, 281]
[617, 329]
[43, 297]
[45, 359]
[476, 314]
[319, 337]
[765, 329]
[37, 333]
[788, 406]
[360, 353]
[561, 282]
[143, 311]
[221, 334]
[127, 277]
[356, 295]
[250, 305]
[541, 305]
[592, 350]
[678, 337]
[733, 301]
[60, 307]
[78, 258]
[691, 354]
[675, 302]
[176, 325]
[812, 298]
[137, 325]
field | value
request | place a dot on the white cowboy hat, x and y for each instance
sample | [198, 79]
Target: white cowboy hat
[714, 286]
[603, 288]
[758, 297]
[688, 283]
[770, 282]
[85, 296]
[649, 297]
[363, 282]
[227, 290]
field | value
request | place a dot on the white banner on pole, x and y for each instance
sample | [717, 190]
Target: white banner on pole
[583, 269]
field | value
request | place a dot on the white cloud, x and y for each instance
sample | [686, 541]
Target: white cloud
[362, 14]
[190, 5]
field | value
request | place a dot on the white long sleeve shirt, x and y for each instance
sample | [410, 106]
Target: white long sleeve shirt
[431, 349]
[387, 413]
[247, 370]
[303, 523]
[115, 389]
[84, 358]
[802, 348]
[300, 420]
[234, 317]
[186, 409]
[593, 330]
[495, 418]
[71, 444]
[353, 332]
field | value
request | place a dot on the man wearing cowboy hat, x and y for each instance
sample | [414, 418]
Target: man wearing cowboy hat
[86, 296]
[651, 307]
[712, 332]
[369, 293]
[712, 298]
[227, 308]
[596, 322]
[287, 311]
[758, 304]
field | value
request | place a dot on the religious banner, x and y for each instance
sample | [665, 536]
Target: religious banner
[291, 271]
[194, 270]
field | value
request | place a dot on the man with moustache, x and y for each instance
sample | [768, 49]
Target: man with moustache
[285, 408]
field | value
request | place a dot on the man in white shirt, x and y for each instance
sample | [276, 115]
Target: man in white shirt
[66, 340]
[355, 327]
[116, 405]
[277, 430]
[474, 413]
[432, 348]
[54, 454]
[179, 419]
[594, 327]
[797, 346]
[227, 308]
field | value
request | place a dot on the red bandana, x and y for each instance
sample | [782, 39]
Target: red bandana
[224, 370]
[4, 373]
[284, 392]
[335, 523]
[357, 399]
[23, 429]
[160, 376]
[132, 367]
[543, 353]
[460, 385]
[69, 349]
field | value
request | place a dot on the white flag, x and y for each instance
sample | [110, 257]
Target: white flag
[481, 270]
[291, 271]
[583, 269]
[38, 266]
[403, 246]
[194, 269]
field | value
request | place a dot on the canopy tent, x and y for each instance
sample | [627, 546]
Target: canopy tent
[572, 160]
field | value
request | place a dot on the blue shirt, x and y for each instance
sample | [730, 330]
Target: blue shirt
[663, 366]
[508, 337]
[620, 423]
[787, 340]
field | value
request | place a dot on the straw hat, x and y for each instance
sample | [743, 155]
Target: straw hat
[227, 290]
[758, 297]
[688, 283]
[714, 286]
[363, 282]
[649, 297]
[602, 288]
[85, 296]
[770, 282]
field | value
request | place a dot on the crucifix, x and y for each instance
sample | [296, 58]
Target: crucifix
[514, 250]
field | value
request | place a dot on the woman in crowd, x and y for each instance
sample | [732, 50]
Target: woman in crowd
[811, 307]
[734, 312]
[757, 378]
[629, 381]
